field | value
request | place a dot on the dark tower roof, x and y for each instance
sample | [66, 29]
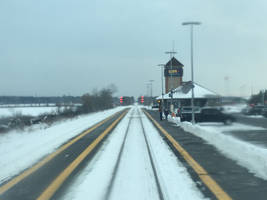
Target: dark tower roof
[175, 63]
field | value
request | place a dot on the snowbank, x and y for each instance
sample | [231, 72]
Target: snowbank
[20, 150]
[250, 156]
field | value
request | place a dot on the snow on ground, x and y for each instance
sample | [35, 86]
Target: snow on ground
[248, 155]
[135, 179]
[90, 181]
[254, 116]
[16, 146]
[27, 105]
[33, 111]
[220, 127]
[173, 174]
[236, 108]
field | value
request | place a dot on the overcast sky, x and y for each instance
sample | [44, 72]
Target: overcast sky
[57, 47]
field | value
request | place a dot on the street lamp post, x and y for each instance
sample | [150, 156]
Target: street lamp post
[191, 24]
[147, 89]
[151, 81]
[171, 53]
[162, 93]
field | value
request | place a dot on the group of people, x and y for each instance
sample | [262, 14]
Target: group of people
[166, 113]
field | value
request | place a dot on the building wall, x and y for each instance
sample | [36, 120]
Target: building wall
[172, 82]
[173, 77]
[197, 102]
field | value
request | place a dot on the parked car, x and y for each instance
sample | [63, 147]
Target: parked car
[185, 109]
[188, 109]
[254, 110]
[246, 110]
[3, 127]
[209, 115]
[155, 106]
[264, 111]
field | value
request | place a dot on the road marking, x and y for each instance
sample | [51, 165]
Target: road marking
[38, 165]
[202, 173]
[53, 187]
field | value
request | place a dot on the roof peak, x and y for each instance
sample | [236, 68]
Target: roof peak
[174, 62]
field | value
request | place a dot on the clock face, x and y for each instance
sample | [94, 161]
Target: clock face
[173, 72]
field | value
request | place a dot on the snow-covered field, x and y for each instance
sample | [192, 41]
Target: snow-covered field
[135, 179]
[33, 111]
[253, 157]
[38, 141]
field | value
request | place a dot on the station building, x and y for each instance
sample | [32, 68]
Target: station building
[181, 93]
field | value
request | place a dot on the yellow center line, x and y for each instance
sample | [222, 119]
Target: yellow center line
[53, 187]
[35, 167]
[202, 173]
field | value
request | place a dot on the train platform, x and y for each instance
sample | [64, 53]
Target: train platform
[236, 181]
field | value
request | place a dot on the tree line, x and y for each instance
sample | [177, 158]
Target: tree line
[40, 100]
[259, 98]
[98, 100]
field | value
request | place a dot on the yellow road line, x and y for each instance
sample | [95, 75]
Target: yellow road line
[53, 187]
[202, 173]
[35, 167]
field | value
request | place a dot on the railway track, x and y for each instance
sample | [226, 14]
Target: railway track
[135, 115]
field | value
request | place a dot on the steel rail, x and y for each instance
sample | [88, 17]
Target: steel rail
[115, 170]
[160, 193]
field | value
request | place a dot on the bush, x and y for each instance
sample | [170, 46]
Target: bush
[98, 100]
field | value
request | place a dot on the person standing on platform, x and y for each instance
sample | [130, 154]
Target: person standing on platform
[160, 112]
[166, 113]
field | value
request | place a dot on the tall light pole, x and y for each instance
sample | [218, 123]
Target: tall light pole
[171, 53]
[147, 89]
[162, 93]
[191, 24]
[151, 81]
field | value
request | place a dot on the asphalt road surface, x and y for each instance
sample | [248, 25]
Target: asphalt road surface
[252, 120]
[257, 137]
[235, 180]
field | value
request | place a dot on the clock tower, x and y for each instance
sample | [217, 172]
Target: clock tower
[173, 73]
